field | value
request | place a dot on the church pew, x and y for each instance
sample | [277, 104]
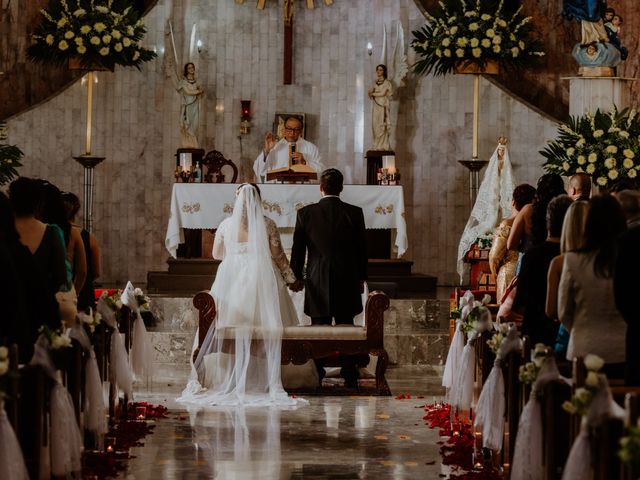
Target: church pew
[303, 343]
[514, 405]
[556, 424]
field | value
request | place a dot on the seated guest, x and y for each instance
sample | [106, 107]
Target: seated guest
[86, 296]
[46, 255]
[586, 303]
[532, 280]
[571, 240]
[502, 261]
[625, 282]
[580, 186]
[275, 155]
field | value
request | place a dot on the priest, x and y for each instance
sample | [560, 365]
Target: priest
[275, 155]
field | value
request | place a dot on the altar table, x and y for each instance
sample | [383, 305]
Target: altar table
[204, 206]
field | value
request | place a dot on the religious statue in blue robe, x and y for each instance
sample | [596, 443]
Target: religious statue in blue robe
[589, 10]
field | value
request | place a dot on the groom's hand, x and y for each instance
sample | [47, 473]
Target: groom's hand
[296, 286]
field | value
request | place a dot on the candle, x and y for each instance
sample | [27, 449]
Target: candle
[185, 161]
[110, 444]
[141, 413]
[389, 162]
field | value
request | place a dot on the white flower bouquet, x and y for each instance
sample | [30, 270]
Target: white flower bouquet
[496, 340]
[57, 338]
[473, 33]
[581, 400]
[605, 146]
[98, 32]
[528, 372]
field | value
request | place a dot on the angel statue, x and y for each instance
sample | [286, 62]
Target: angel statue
[189, 89]
[493, 202]
[383, 88]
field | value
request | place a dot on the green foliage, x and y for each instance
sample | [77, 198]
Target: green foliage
[605, 145]
[98, 32]
[474, 33]
[10, 156]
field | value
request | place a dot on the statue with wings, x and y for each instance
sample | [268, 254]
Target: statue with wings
[186, 84]
[384, 86]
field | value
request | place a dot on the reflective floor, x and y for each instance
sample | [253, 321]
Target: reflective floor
[331, 438]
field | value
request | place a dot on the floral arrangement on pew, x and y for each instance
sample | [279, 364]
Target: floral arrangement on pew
[57, 338]
[97, 32]
[581, 400]
[595, 404]
[491, 406]
[474, 34]
[604, 145]
[528, 372]
[474, 318]
[90, 320]
[114, 301]
[629, 451]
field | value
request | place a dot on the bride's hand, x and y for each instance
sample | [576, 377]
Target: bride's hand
[296, 286]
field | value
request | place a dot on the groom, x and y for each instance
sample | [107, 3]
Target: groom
[333, 234]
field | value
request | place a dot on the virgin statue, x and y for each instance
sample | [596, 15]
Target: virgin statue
[493, 202]
[380, 92]
[190, 93]
[590, 14]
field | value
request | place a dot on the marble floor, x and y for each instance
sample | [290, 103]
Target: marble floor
[331, 438]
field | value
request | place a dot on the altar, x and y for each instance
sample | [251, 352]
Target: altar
[204, 206]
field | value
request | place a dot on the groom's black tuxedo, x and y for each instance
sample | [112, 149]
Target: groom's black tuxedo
[333, 233]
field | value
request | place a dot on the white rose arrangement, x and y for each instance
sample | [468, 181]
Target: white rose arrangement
[87, 29]
[604, 145]
[582, 397]
[57, 339]
[473, 33]
[528, 372]
[496, 340]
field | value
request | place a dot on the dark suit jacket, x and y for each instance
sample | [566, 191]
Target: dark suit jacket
[625, 289]
[333, 233]
[531, 294]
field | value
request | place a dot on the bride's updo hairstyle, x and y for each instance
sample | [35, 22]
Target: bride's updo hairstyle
[242, 185]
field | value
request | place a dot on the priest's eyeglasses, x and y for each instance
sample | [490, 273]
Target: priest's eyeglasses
[293, 129]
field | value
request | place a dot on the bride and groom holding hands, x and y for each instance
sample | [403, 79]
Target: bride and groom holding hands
[239, 360]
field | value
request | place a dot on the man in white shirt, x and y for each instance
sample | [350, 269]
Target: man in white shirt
[276, 154]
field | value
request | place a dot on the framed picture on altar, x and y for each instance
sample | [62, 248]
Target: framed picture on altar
[281, 117]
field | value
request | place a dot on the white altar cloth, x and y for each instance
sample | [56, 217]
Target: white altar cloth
[204, 206]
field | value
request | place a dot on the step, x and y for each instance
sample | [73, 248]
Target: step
[193, 266]
[165, 282]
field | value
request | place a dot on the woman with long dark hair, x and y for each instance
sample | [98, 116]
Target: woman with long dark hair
[586, 303]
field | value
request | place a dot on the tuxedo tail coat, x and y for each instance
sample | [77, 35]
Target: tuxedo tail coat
[331, 233]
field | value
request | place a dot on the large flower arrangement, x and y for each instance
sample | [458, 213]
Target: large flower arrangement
[604, 145]
[98, 32]
[474, 33]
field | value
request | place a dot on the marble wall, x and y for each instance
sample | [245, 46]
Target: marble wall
[136, 122]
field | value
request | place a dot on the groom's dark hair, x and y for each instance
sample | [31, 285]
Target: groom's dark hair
[331, 181]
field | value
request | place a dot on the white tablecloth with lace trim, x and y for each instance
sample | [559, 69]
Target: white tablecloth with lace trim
[201, 206]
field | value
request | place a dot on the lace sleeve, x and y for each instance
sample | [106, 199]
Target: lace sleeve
[218, 242]
[277, 253]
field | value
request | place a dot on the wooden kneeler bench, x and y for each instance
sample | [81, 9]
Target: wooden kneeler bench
[303, 343]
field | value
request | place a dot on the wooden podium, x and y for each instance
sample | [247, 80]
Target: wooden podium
[291, 176]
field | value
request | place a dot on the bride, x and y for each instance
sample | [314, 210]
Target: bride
[239, 360]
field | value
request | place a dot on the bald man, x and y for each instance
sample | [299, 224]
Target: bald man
[580, 186]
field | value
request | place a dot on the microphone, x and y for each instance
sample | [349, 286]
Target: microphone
[292, 150]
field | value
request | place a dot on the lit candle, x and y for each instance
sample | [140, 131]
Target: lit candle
[110, 444]
[141, 413]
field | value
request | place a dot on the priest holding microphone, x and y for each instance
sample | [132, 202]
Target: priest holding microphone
[290, 150]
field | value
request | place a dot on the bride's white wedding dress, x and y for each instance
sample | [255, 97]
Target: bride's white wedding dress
[239, 360]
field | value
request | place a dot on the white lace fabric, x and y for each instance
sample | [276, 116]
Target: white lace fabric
[493, 203]
[239, 360]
